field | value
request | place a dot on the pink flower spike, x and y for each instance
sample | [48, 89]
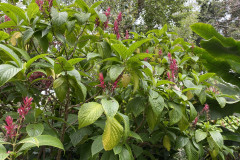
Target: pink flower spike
[10, 127]
[195, 121]
[126, 35]
[169, 56]
[119, 19]
[101, 79]
[24, 109]
[206, 108]
[160, 52]
[147, 51]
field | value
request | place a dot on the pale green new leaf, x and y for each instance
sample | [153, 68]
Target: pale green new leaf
[82, 4]
[89, 113]
[205, 76]
[34, 59]
[32, 10]
[121, 50]
[112, 134]
[82, 17]
[110, 107]
[115, 71]
[134, 46]
[217, 137]
[3, 35]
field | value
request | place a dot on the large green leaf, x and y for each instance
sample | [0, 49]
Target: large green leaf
[136, 105]
[200, 135]
[217, 137]
[82, 17]
[21, 51]
[97, 145]
[32, 10]
[11, 54]
[79, 135]
[115, 71]
[125, 120]
[3, 152]
[58, 18]
[89, 113]
[151, 118]
[110, 107]
[42, 140]
[13, 12]
[61, 64]
[7, 72]
[3, 35]
[60, 86]
[29, 62]
[134, 46]
[82, 4]
[156, 102]
[34, 130]
[191, 152]
[27, 35]
[120, 49]
[175, 114]
[112, 133]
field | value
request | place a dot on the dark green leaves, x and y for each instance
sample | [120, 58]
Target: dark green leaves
[61, 64]
[34, 130]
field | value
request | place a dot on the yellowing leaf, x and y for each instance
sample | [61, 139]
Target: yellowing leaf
[166, 142]
[112, 134]
[14, 38]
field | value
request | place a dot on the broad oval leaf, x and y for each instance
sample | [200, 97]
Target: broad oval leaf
[89, 113]
[112, 134]
[217, 137]
[34, 130]
[200, 135]
[11, 54]
[110, 107]
[7, 72]
[3, 35]
[97, 145]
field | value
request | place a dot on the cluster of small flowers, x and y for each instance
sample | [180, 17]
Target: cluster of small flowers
[160, 52]
[107, 13]
[103, 85]
[204, 110]
[213, 89]
[126, 34]
[46, 83]
[116, 24]
[11, 128]
[44, 4]
[146, 59]
[173, 68]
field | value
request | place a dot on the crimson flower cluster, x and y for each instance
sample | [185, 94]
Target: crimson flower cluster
[107, 13]
[116, 24]
[44, 4]
[44, 84]
[126, 34]
[204, 110]
[173, 68]
[145, 59]
[111, 86]
[11, 128]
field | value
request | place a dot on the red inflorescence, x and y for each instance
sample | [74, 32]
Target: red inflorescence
[101, 79]
[107, 13]
[126, 35]
[10, 127]
[173, 68]
[23, 110]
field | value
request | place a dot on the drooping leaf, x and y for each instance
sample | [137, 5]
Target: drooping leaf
[112, 133]
[97, 145]
[7, 72]
[11, 54]
[89, 113]
[32, 10]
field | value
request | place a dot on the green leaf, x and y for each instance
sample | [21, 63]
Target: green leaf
[167, 142]
[11, 54]
[61, 64]
[82, 5]
[151, 118]
[58, 18]
[82, 17]
[205, 76]
[110, 107]
[3, 35]
[175, 114]
[181, 142]
[3, 152]
[112, 133]
[161, 82]
[118, 149]
[200, 135]
[75, 60]
[221, 101]
[102, 16]
[89, 113]
[7, 72]
[125, 154]
[120, 49]
[97, 145]
[125, 120]
[135, 135]
[79, 135]
[137, 150]
[8, 24]
[32, 10]
[136, 106]
[43, 140]
[27, 35]
[21, 51]
[193, 112]
[34, 130]
[217, 137]
[34, 59]
[115, 71]
[133, 47]
[96, 4]
[192, 153]
[60, 86]
[156, 102]
[13, 12]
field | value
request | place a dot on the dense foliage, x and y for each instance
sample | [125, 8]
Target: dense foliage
[75, 85]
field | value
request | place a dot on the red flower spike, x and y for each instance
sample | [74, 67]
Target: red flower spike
[10, 127]
[126, 35]
[101, 79]
[119, 19]
[195, 121]
[23, 110]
